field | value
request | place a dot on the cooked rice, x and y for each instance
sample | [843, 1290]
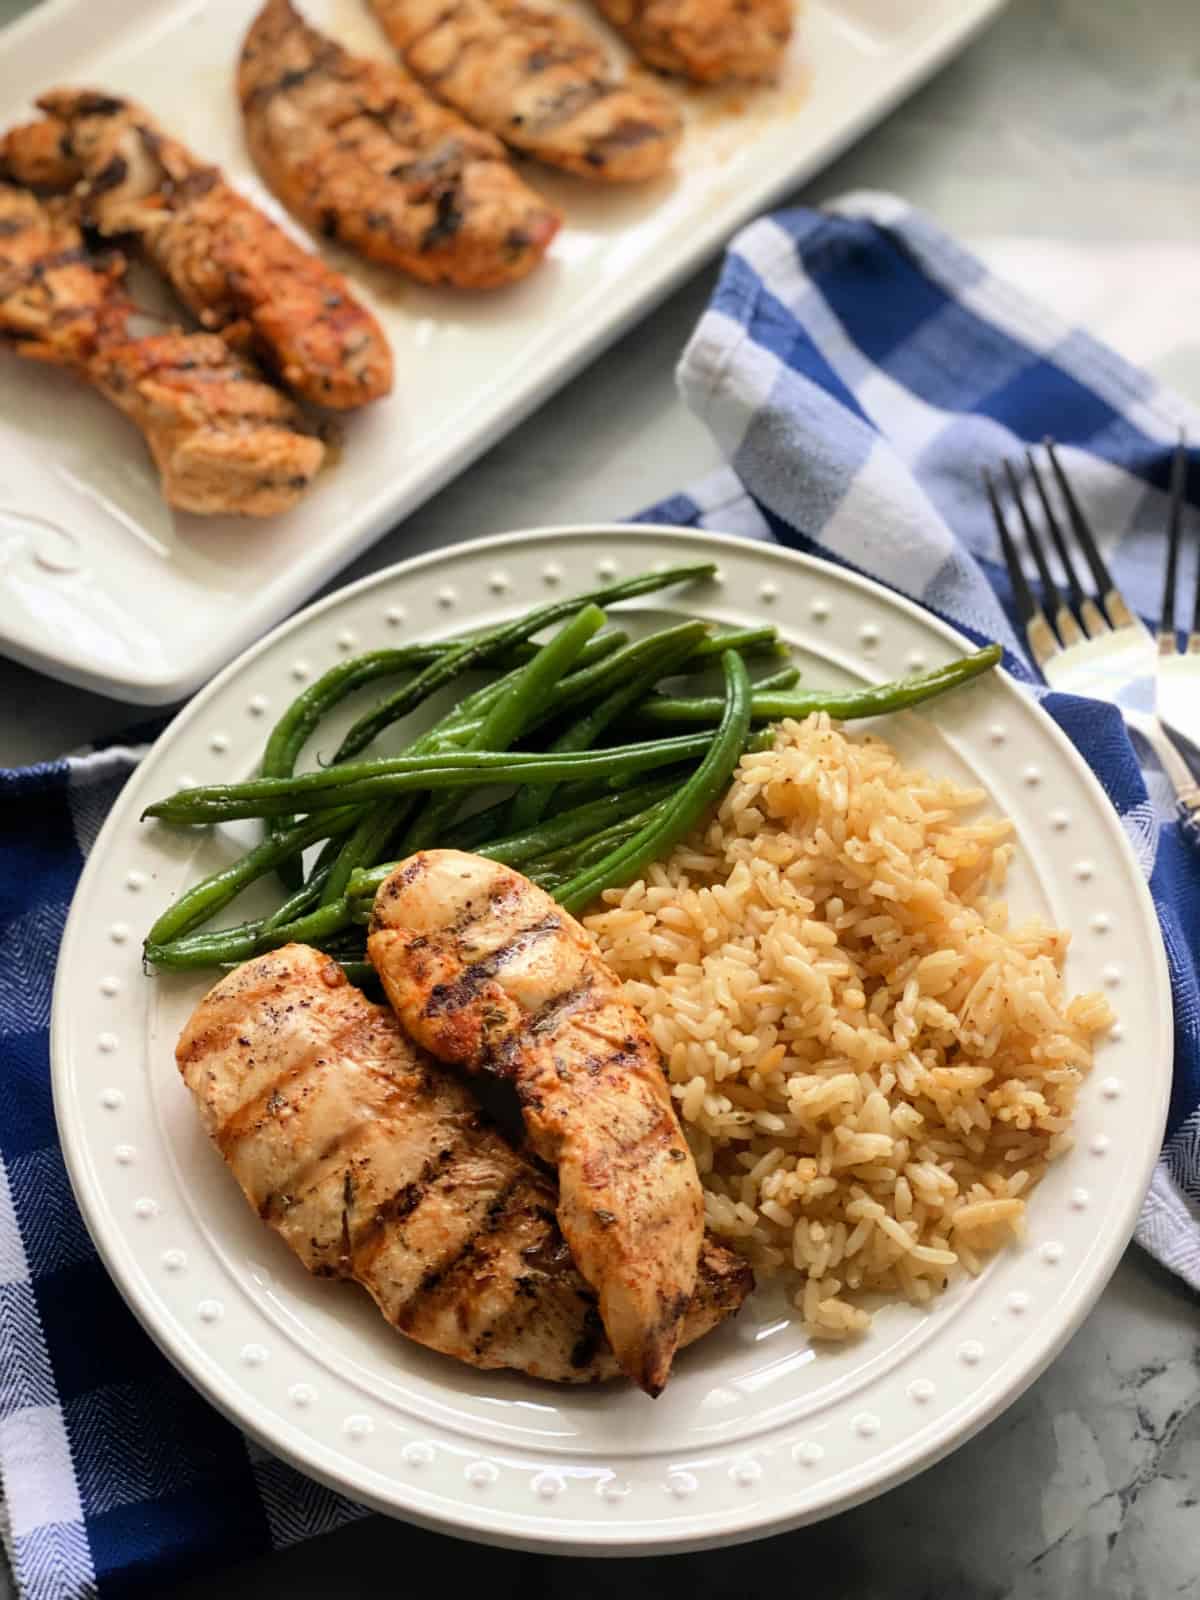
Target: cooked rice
[873, 1068]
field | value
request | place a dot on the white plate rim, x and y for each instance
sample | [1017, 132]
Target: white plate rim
[682, 1530]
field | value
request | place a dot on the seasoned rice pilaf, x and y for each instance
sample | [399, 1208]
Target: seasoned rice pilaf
[873, 1068]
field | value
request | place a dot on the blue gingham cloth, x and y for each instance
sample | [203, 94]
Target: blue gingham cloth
[856, 367]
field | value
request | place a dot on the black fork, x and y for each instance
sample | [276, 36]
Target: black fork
[1060, 619]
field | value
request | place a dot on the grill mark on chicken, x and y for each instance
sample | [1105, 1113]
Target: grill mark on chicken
[709, 41]
[477, 1292]
[360, 152]
[488, 973]
[252, 1114]
[557, 1009]
[405, 1200]
[222, 438]
[444, 997]
[345, 1145]
[447, 1226]
[228, 262]
[566, 105]
[438, 1180]
[539, 80]
[325, 55]
[443, 1275]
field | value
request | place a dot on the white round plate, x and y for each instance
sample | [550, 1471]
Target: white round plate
[758, 1431]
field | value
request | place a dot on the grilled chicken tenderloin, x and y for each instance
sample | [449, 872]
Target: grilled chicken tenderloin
[486, 971]
[709, 41]
[230, 265]
[360, 153]
[224, 440]
[375, 1164]
[539, 80]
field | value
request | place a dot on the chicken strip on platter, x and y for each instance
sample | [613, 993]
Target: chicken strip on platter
[710, 41]
[230, 265]
[536, 78]
[486, 971]
[376, 1164]
[360, 153]
[224, 440]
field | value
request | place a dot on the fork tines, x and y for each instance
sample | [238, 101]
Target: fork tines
[1112, 600]
[1039, 634]
[1059, 620]
[1084, 607]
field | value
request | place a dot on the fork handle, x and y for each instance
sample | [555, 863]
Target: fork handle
[1187, 790]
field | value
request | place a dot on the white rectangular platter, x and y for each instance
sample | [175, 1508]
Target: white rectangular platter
[102, 585]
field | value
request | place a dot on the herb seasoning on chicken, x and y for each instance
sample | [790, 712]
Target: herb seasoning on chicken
[224, 440]
[229, 264]
[710, 41]
[537, 79]
[376, 1164]
[486, 971]
[360, 153]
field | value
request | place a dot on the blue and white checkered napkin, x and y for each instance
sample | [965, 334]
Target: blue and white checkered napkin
[857, 367]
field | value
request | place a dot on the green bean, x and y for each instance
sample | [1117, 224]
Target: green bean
[583, 686]
[339, 787]
[210, 945]
[592, 683]
[294, 728]
[290, 734]
[350, 944]
[331, 849]
[364, 845]
[666, 651]
[475, 830]
[482, 828]
[510, 716]
[465, 720]
[516, 849]
[207, 897]
[680, 815]
[377, 824]
[245, 938]
[775, 682]
[580, 825]
[208, 949]
[678, 646]
[591, 658]
[564, 864]
[592, 678]
[746, 641]
[311, 929]
[181, 956]
[488, 646]
[307, 896]
[227, 945]
[845, 704]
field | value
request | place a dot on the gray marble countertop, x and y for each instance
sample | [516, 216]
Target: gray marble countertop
[1071, 121]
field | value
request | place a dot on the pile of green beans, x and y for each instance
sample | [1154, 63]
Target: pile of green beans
[573, 813]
